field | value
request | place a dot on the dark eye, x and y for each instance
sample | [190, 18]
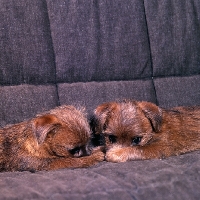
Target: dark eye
[136, 140]
[75, 150]
[112, 138]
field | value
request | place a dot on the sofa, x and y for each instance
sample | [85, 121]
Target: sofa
[84, 53]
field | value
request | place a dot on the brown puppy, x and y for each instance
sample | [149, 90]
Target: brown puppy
[141, 130]
[56, 139]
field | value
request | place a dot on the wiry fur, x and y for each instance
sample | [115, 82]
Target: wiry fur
[161, 133]
[52, 140]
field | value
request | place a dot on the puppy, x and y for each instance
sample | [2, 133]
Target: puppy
[141, 130]
[55, 139]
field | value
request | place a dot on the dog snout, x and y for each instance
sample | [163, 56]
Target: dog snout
[88, 150]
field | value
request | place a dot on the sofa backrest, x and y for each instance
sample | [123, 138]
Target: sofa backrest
[88, 52]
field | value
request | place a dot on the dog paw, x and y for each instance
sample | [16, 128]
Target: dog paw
[98, 154]
[116, 155]
[123, 154]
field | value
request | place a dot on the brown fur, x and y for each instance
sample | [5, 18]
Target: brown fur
[55, 139]
[141, 130]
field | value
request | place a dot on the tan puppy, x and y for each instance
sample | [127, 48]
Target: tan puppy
[141, 130]
[56, 139]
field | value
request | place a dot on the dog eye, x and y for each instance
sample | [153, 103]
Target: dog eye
[75, 150]
[136, 140]
[112, 138]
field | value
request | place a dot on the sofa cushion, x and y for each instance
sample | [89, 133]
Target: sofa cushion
[25, 101]
[174, 30]
[178, 91]
[26, 48]
[91, 94]
[99, 40]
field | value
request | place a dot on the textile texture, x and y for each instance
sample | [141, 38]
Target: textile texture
[88, 52]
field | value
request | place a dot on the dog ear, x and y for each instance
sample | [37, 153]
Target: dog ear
[43, 125]
[153, 113]
[102, 114]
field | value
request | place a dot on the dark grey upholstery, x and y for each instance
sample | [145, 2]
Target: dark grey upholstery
[86, 53]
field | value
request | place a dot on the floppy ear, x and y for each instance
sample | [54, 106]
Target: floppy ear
[43, 125]
[153, 113]
[102, 114]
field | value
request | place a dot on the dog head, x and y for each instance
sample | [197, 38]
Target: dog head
[127, 123]
[63, 132]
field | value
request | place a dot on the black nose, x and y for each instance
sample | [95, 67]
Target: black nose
[97, 140]
[88, 150]
[112, 138]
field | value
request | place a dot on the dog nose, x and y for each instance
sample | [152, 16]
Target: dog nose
[88, 150]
